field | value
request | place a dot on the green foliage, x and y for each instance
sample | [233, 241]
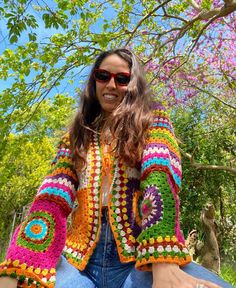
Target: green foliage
[206, 131]
[228, 273]
[23, 167]
[18, 20]
[206, 4]
[55, 20]
[36, 119]
[25, 156]
[34, 105]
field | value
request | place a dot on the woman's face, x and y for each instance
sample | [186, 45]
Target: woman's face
[110, 94]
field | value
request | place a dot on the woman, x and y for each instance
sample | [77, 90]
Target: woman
[125, 175]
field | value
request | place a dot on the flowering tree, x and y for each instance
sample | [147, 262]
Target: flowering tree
[188, 49]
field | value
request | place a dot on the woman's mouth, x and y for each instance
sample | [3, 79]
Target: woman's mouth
[109, 97]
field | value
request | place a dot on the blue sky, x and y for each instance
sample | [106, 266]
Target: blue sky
[43, 34]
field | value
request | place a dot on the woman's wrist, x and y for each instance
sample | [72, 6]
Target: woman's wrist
[158, 268]
[8, 282]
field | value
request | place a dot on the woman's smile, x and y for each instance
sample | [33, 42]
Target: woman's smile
[109, 93]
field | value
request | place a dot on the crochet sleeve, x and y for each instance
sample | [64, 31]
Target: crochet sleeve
[38, 242]
[161, 239]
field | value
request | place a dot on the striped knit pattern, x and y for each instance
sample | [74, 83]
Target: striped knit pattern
[161, 239]
[143, 207]
[38, 242]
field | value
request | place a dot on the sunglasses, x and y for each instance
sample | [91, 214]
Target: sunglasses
[121, 78]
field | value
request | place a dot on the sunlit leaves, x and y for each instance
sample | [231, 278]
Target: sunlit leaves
[52, 45]
[205, 129]
[24, 165]
[55, 20]
[162, 35]
[17, 22]
[206, 4]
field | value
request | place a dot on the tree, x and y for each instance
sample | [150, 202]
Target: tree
[26, 158]
[22, 168]
[184, 45]
[206, 131]
[188, 49]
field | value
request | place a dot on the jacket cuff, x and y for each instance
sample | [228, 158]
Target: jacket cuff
[161, 250]
[28, 276]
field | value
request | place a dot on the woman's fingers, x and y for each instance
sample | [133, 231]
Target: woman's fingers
[7, 282]
[169, 276]
[206, 284]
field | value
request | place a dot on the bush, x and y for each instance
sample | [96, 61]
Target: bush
[228, 273]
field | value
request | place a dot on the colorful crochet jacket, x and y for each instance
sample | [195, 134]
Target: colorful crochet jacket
[143, 211]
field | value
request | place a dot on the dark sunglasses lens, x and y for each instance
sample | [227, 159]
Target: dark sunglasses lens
[122, 79]
[102, 75]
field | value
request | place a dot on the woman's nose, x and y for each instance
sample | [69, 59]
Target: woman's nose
[111, 83]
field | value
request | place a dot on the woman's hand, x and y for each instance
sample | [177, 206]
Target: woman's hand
[166, 275]
[7, 282]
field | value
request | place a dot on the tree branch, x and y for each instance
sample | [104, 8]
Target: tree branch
[212, 95]
[143, 19]
[171, 16]
[193, 163]
[229, 7]
[195, 5]
[229, 2]
[211, 16]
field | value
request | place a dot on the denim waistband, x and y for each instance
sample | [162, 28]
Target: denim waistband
[105, 214]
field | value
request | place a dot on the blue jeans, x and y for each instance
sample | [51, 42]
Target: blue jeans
[105, 270]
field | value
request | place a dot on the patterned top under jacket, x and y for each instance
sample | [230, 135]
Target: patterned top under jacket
[143, 211]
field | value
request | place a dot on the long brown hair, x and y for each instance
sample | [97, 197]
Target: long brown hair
[127, 123]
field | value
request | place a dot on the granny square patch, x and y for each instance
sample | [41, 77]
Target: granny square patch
[37, 232]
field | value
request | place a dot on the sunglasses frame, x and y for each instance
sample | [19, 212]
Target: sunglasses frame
[111, 75]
